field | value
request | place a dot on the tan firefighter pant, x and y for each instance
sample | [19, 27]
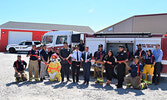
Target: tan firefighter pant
[134, 81]
[33, 66]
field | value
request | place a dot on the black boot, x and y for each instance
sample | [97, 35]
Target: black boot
[41, 79]
[87, 83]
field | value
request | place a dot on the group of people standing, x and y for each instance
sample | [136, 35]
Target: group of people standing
[145, 64]
[39, 60]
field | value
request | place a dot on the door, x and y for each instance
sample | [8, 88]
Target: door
[114, 47]
[26, 46]
[17, 37]
[60, 40]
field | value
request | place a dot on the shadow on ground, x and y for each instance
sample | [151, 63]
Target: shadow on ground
[19, 84]
[71, 85]
[162, 85]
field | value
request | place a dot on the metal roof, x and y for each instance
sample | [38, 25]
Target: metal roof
[133, 17]
[43, 26]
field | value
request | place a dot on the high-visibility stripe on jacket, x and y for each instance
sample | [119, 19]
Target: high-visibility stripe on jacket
[140, 54]
[54, 67]
[17, 65]
[138, 69]
[150, 59]
[57, 69]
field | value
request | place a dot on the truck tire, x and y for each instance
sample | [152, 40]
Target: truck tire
[12, 50]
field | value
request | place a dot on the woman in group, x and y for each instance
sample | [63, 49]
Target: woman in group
[149, 67]
[109, 62]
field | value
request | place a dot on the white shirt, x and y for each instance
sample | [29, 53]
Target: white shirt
[86, 55]
[74, 55]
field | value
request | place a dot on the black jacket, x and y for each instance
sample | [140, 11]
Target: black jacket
[89, 56]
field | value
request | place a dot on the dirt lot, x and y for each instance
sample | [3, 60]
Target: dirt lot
[46, 90]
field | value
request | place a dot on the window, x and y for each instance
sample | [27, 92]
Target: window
[61, 39]
[28, 43]
[75, 38]
[101, 32]
[22, 43]
[110, 29]
[36, 43]
[47, 39]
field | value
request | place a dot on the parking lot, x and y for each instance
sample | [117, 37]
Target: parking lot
[9, 90]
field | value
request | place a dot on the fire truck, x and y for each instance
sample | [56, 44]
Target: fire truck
[110, 41]
[55, 39]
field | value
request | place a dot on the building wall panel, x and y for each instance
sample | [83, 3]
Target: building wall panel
[125, 26]
[37, 36]
[153, 24]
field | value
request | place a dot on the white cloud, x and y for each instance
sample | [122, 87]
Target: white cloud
[91, 10]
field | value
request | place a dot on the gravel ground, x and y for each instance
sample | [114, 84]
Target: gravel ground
[46, 90]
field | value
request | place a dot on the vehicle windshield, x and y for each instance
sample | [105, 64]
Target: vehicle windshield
[22, 43]
[61, 39]
[47, 39]
[36, 43]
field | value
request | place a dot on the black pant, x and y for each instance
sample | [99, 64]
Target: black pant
[65, 70]
[39, 64]
[157, 72]
[120, 74]
[86, 71]
[75, 71]
[109, 72]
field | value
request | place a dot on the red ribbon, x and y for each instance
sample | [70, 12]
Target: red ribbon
[68, 61]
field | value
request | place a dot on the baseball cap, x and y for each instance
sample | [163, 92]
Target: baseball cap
[100, 45]
[138, 45]
[121, 46]
[18, 55]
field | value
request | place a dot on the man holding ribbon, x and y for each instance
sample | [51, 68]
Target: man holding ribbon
[44, 62]
[65, 62]
[33, 63]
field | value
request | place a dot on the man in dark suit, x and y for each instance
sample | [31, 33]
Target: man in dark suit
[86, 64]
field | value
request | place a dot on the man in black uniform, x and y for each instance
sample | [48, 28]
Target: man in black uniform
[121, 58]
[81, 46]
[64, 53]
[141, 53]
[57, 51]
[33, 63]
[51, 52]
[19, 67]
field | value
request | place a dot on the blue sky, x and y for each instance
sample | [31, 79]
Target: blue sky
[97, 14]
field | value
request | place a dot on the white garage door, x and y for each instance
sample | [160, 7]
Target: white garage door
[17, 37]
